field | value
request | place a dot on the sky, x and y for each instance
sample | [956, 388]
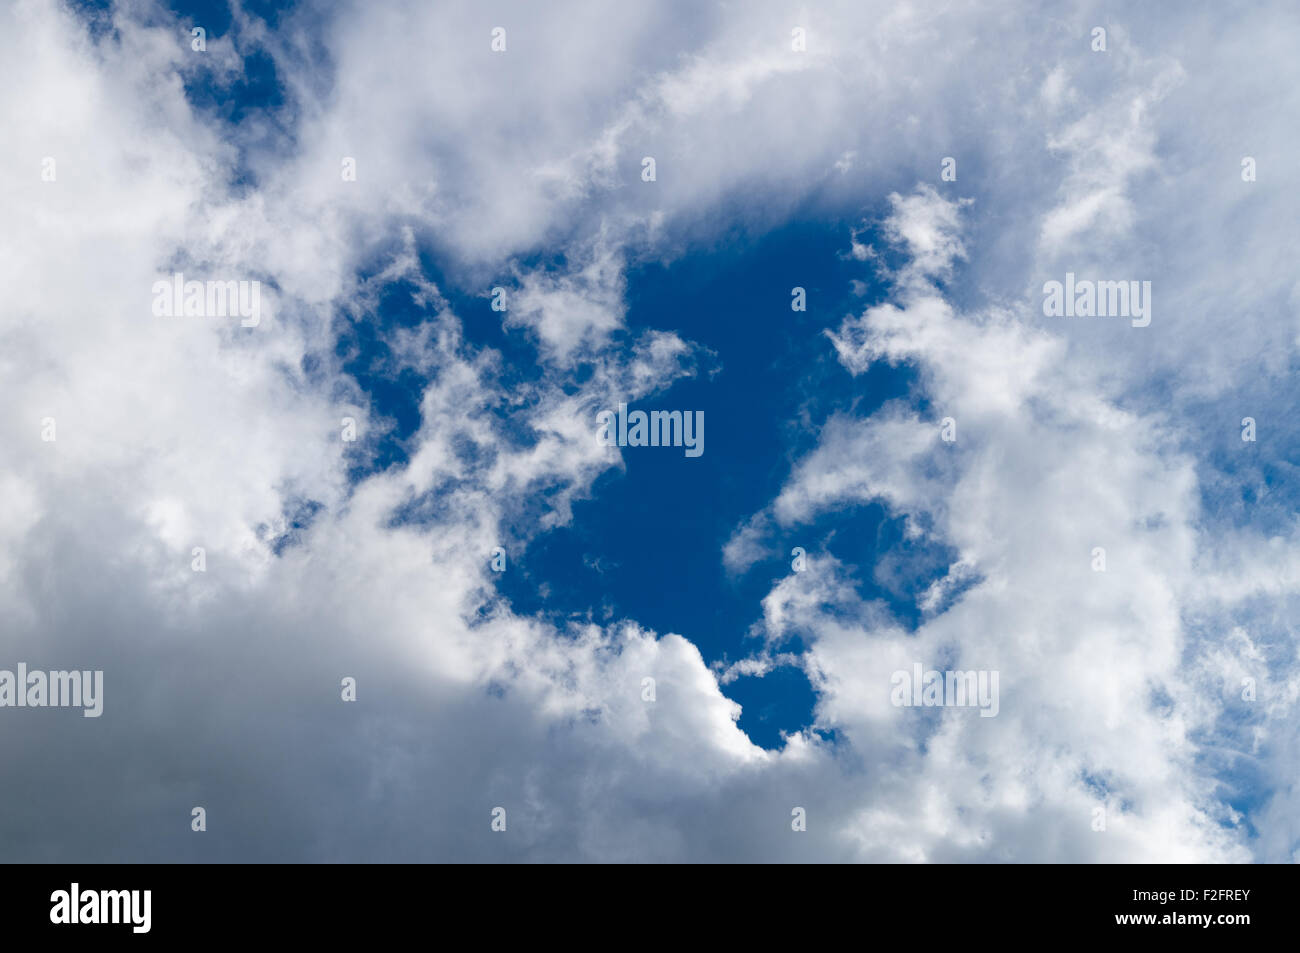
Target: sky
[363, 580]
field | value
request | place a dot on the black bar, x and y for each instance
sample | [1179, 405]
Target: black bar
[931, 903]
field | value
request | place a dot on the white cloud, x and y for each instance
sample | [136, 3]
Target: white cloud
[174, 433]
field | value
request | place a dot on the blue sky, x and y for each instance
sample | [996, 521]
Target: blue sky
[647, 545]
[1150, 691]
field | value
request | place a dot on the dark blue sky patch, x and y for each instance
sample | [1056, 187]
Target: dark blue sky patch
[395, 395]
[648, 544]
[274, 12]
[364, 350]
[772, 703]
[212, 15]
[482, 328]
[253, 101]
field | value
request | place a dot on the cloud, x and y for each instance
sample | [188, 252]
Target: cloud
[523, 170]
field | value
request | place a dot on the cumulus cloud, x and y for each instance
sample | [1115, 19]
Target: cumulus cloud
[1120, 690]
